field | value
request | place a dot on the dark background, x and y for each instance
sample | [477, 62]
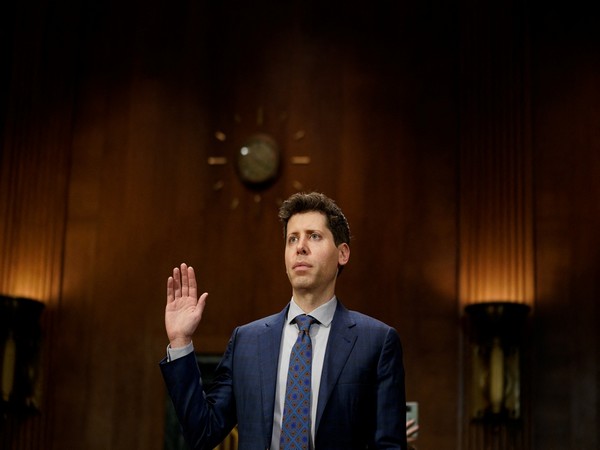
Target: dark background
[108, 114]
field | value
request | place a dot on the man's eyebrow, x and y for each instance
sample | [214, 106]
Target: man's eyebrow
[311, 230]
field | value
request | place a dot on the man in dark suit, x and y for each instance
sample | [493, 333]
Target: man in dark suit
[357, 398]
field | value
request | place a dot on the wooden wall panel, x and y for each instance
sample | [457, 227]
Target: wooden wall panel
[143, 197]
[37, 105]
[567, 148]
[134, 96]
[496, 233]
[496, 227]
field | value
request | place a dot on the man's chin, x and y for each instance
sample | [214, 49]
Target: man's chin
[301, 283]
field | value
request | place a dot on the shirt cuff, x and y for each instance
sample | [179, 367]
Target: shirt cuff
[179, 352]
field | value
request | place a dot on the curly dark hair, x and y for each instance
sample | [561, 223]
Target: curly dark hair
[302, 202]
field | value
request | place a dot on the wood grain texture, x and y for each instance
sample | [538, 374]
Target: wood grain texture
[109, 112]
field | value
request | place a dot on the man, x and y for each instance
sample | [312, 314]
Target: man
[356, 398]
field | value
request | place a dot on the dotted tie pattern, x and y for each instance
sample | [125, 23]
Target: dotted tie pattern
[295, 426]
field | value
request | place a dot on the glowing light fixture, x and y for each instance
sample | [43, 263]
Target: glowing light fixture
[496, 331]
[20, 338]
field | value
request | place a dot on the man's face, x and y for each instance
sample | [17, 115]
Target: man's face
[311, 256]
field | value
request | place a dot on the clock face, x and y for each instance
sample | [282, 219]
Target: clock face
[258, 160]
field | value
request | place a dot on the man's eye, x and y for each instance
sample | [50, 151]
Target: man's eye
[292, 239]
[315, 236]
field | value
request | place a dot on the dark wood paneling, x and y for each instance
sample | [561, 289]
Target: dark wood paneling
[140, 92]
[567, 148]
[152, 89]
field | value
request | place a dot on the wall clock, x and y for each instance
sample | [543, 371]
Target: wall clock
[258, 160]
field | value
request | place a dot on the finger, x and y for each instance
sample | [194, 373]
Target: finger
[201, 303]
[184, 281]
[193, 286]
[202, 300]
[170, 292]
[410, 422]
[176, 283]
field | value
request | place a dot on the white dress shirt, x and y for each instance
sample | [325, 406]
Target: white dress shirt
[319, 334]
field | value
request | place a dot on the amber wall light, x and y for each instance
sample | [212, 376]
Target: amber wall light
[20, 340]
[496, 331]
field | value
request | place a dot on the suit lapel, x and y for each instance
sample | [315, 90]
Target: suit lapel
[269, 342]
[341, 342]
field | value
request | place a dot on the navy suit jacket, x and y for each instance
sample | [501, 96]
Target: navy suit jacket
[361, 402]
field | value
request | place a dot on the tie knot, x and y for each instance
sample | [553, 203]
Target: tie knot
[304, 322]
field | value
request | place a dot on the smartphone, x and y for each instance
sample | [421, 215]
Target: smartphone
[412, 413]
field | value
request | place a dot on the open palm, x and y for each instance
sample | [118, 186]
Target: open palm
[184, 309]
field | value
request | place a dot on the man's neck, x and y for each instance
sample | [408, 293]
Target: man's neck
[308, 301]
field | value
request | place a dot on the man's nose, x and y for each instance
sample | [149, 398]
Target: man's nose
[301, 248]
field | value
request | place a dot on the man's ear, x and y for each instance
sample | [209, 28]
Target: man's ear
[343, 254]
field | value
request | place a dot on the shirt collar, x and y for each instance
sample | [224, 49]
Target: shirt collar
[324, 313]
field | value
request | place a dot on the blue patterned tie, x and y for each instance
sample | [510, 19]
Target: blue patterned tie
[295, 425]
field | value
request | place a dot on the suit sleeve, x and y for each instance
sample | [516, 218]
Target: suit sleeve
[390, 430]
[205, 417]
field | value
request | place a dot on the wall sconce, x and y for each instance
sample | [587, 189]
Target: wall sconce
[20, 336]
[496, 331]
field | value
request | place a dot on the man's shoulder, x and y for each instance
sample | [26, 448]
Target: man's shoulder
[264, 322]
[361, 319]
[373, 332]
